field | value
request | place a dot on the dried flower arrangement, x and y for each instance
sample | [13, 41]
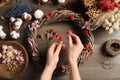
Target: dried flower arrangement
[59, 16]
[97, 11]
[11, 57]
[4, 2]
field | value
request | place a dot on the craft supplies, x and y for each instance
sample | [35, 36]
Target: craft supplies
[19, 9]
[52, 34]
[12, 57]
[112, 47]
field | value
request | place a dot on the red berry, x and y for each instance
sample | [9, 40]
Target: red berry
[86, 31]
[51, 14]
[41, 35]
[52, 30]
[86, 47]
[69, 32]
[72, 17]
[52, 38]
[61, 38]
[117, 5]
[57, 34]
[112, 1]
[47, 16]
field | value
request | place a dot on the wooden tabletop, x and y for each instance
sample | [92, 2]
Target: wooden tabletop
[91, 70]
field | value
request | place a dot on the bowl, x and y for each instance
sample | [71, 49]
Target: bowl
[4, 72]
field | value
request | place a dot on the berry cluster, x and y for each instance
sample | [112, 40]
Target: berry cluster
[52, 35]
[107, 5]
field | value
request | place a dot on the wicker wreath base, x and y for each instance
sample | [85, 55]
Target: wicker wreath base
[60, 16]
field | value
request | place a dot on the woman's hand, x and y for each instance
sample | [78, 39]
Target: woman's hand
[75, 47]
[53, 55]
[52, 60]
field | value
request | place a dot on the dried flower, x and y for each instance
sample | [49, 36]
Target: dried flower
[69, 32]
[47, 16]
[52, 30]
[61, 1]
[86, 31]
[72, 17]
[107, 5]
[61, 38]
[41, 35]
[87, 47]
[38, 14]
[52, 38]
[89, 3]
[51, 14]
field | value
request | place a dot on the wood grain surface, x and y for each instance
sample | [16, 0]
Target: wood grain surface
[92, 70]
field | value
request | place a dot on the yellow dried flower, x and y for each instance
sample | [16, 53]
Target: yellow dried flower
[93, 12]
[89, 3]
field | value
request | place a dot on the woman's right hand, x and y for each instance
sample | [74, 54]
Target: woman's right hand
[74, 49]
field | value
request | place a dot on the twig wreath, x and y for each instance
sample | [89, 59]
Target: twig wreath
[60, 16]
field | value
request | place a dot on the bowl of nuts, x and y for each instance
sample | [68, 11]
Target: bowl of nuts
[13, 59]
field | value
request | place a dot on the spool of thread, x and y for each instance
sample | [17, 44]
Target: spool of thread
[112, 47]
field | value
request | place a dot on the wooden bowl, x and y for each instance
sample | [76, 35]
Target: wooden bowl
[4, 72]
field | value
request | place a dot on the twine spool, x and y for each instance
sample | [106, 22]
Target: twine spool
[112, 47]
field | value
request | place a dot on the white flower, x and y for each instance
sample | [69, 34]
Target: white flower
[2, 34]
[0, 55]
[44, 1]
[26, 16]
[61, 1]
[17, 24]
[38, 14]
[111, 30]
[14, 35]
[12, 19]
[107, 28]
[4, 47]
[1, 27]
[112, 19]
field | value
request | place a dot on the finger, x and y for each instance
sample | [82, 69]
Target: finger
[76, 38]
[70, 42]
[63, 47]
[58, 48]
[53, 47]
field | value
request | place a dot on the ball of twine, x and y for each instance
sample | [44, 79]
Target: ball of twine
[113, 47]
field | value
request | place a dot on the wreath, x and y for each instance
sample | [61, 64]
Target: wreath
[61, 16]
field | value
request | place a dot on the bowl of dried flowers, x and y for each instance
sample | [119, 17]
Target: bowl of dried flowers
[13, 59]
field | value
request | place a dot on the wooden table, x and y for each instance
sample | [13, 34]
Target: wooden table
[92, 70]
